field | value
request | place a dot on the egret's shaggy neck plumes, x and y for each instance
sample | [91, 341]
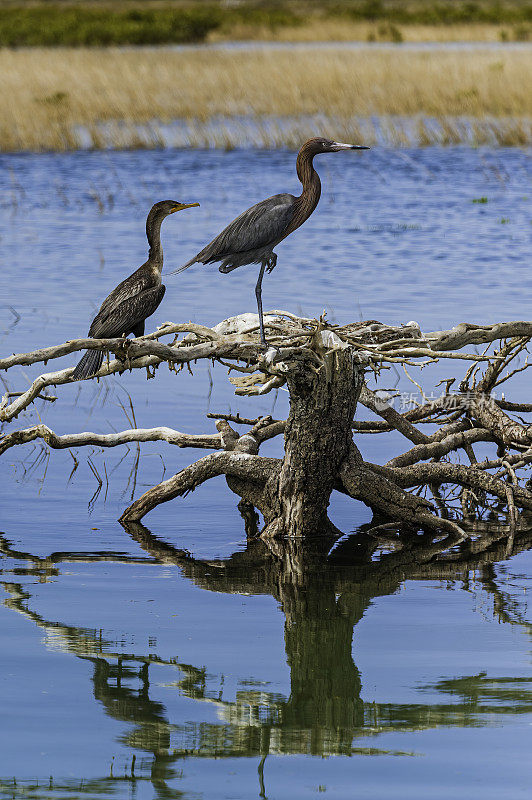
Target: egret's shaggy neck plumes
[306, 172]
[310, 196]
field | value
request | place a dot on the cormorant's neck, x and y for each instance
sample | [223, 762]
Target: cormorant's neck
[308, 176]
[153, 233]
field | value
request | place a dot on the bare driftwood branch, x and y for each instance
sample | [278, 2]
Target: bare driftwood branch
[440, 473]
[436, 449]
[210, 442]
[470, 334]
[383, 494]
[238, 465]
[392, 417]
[323, 368]
[235, 339]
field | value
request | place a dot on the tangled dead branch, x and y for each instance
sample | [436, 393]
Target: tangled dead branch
[327, 369]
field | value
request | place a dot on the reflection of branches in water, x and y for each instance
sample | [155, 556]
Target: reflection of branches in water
[481, 693]
[111, 674]
[107, 787]
[99, 485]
[505, 608]
[103, 394]
[38, 455]
[14, 319]
[74, 467]
[322, 599]
[132, 479]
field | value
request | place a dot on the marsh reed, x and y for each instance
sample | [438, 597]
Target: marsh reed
[64, 99]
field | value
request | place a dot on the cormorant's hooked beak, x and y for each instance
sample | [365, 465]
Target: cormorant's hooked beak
[181, 206]
[336, 146]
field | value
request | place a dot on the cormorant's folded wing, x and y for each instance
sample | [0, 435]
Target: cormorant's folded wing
[129, 288]
[127, 314]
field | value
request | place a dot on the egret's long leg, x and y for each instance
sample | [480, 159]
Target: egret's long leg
[258, 294]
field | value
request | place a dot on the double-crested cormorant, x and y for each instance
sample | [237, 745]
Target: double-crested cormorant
[251, 237]
[136, 298]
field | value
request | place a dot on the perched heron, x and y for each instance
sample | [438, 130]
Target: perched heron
[125, 310]
[251, 237]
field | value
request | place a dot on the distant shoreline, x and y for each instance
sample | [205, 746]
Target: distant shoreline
[258, 45]
[103, 23]
[225, 97]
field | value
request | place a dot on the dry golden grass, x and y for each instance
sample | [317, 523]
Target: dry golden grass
[47, 94]
[345, 30]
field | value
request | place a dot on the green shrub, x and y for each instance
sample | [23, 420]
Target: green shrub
[90, 24]
[424, 12]
[77, 26]
[268, 15]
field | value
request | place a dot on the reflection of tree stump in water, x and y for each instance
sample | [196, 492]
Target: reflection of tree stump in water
[324, 682]
[322, 601]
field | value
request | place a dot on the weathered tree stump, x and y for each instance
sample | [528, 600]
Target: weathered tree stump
[326, 369]
[317, 438]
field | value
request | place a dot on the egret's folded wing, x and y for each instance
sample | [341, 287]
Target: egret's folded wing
[259, 226]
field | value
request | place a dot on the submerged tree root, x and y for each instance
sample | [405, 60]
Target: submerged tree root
[327, 369]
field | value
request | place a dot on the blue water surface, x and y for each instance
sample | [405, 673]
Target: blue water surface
[202, 671]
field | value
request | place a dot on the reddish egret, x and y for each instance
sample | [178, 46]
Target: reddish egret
[251, 237]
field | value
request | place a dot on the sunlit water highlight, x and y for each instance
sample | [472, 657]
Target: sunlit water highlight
[200, 671]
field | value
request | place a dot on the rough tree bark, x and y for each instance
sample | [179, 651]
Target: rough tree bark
[317, 439]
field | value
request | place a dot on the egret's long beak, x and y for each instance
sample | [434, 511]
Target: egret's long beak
[341, 146]
[181, 206]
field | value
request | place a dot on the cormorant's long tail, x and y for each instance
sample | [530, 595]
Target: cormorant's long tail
[89, 364]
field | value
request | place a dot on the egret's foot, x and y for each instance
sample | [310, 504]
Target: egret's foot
[271, 262]
[263, 343]
[271, 354]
